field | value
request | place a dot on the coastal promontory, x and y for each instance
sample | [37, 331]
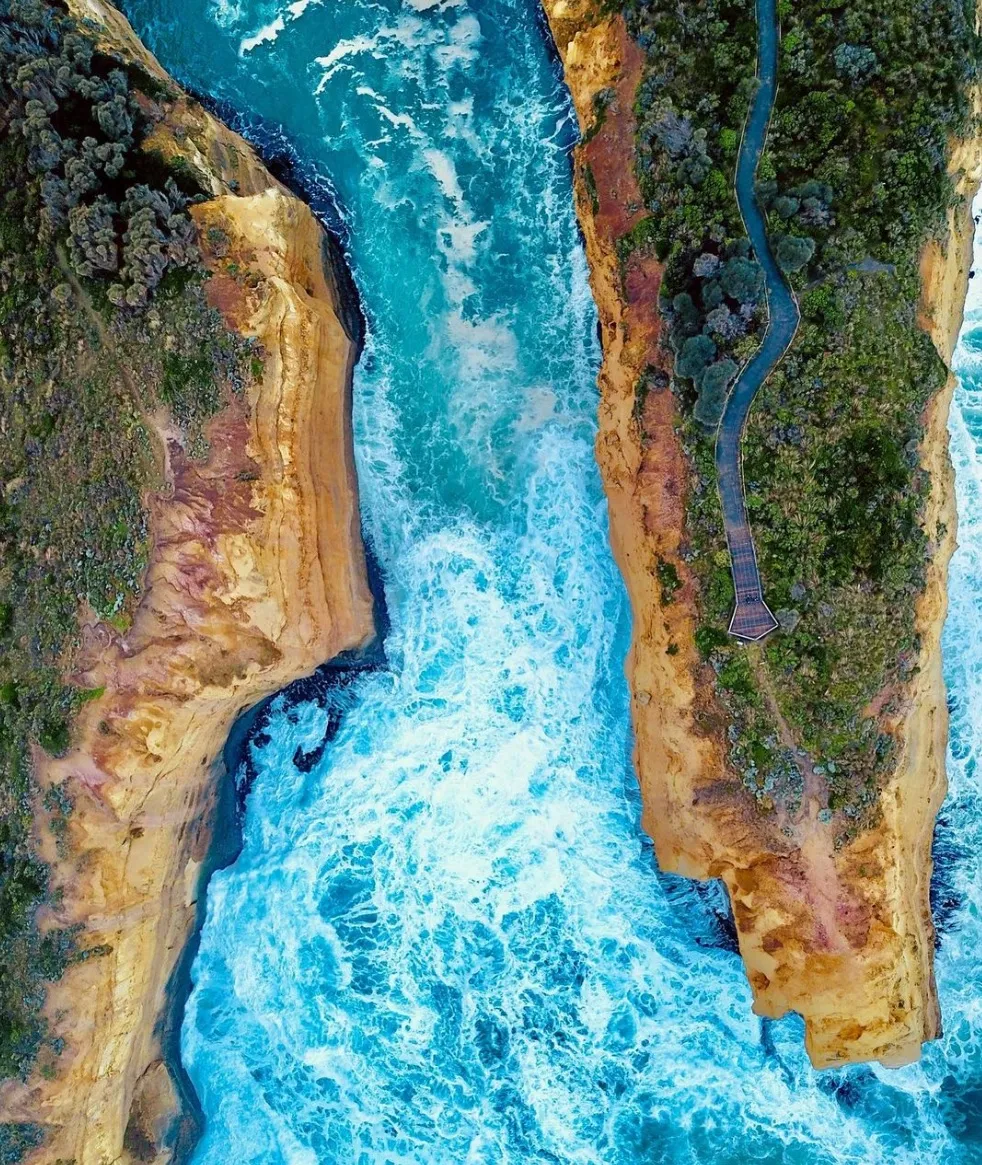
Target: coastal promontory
[178, 350]
[804, 770]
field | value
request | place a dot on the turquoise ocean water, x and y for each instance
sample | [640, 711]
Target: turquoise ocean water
[445, 940]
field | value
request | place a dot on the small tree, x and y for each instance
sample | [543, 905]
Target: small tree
[712, 294]
[712, 392]
[794, 252]
[673, 132]
[785, 205]
[686, 314]
[695, 356]
[92, 238]
[706, 265]
[114, 119]
[855, 62]
[723, 323]
[743, 279]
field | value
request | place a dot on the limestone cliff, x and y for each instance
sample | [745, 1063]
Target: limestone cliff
[257, 576]
[842, 936]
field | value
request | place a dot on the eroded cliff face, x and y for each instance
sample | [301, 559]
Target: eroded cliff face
[842, 936]
[257, 576]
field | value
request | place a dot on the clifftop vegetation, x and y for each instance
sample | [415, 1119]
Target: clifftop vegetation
[102, 321]
[854, 181]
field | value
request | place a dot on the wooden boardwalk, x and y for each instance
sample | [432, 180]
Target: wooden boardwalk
[752, 619]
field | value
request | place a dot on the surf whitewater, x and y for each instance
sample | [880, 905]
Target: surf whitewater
[445, 938]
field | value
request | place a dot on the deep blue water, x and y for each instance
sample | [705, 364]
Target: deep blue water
[447, 942]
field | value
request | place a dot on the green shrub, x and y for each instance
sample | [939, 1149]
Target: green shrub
[794, 252]
[16, 1140]
[668, 579]
[712, 392]
[695, 356]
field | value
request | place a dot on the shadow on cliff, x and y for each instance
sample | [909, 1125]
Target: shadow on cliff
[703, 910]
[949, 854]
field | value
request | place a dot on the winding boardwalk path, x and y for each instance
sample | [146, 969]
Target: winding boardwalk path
[752, 619]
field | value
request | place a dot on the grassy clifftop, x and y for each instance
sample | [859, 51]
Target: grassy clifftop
[104, 331]
[855, 181]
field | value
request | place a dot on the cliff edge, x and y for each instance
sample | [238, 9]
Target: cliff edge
[256, 576]
[840, 933]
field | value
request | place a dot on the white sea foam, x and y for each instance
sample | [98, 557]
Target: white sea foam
[430, 5]
[230, 14]
[443, 170]
[340, 54]
[266, 35]
[463, 45]
[226, 12]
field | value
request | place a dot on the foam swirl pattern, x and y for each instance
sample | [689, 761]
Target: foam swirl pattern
[445, 940]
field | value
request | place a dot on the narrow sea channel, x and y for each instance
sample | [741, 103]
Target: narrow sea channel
[445, 941]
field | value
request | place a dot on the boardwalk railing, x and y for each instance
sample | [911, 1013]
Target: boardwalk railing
[752, 619]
